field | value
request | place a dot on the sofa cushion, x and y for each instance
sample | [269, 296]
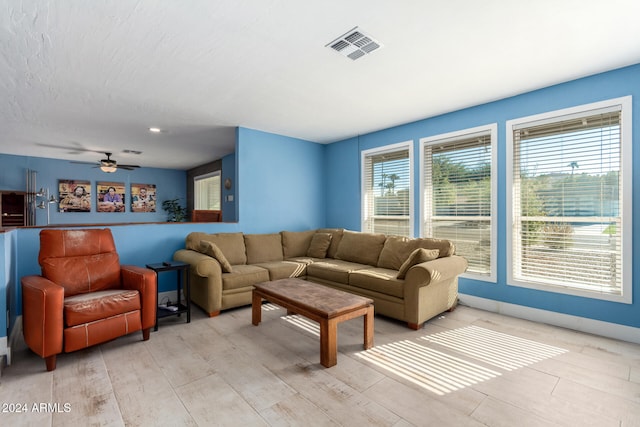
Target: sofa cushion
[334, 270]
[211, 249]
[296, 243]
[263, 247]
[336, 236]
[284, 269]
[92, 306]
[418, 256]
[395, 251]
[446, 247]
[231, 245]
[377, 279]
[363, 248]
[320, 243]
[243, 276]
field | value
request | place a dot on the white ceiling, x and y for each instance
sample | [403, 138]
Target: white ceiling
[95, 75]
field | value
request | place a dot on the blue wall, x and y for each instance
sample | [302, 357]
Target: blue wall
[343, 185]
[281, 182]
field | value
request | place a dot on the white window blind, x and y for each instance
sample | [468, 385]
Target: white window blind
[568, 222]
[457, 195]
[387, 191]
[207, 192]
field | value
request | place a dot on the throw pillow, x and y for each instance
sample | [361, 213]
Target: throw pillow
[319, 245]
[211, 249]
[418, 256]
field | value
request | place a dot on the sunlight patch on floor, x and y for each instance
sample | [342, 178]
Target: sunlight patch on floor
[431, 369]
[267, 306]
[495, 348]
[303, 323]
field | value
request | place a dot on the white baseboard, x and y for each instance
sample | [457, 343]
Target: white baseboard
[582, 324]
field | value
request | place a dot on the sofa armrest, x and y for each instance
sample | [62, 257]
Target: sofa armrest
[42, 315]
[201, 264]
[437, 270]
[145, 281]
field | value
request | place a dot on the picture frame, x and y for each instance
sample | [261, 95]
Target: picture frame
[110, 196]
[143, 197]
[74, 195]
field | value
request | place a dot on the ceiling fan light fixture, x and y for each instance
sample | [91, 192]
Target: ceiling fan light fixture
[108, 168]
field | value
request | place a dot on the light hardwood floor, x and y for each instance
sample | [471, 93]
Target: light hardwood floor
[465, 368]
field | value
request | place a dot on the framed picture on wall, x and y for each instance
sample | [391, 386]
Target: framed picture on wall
[74, 195]
[143, 197]
[110, 196]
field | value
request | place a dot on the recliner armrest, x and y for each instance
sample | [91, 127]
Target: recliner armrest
[145, 281]
[42, 315]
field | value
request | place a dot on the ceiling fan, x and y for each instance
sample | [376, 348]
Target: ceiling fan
[109, 165]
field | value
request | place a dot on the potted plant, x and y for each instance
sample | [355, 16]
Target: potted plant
[176, 212]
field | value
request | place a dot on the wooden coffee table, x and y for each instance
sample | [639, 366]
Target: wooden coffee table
[325, 305]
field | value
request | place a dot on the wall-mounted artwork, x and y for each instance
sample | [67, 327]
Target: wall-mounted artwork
[143, 197]
[74, 195]
[110, 196]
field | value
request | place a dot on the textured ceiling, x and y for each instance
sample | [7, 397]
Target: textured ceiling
[79, 76]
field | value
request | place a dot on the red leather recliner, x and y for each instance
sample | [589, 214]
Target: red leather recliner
[84, 296]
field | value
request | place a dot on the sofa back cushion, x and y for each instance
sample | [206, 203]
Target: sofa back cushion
[336, 236]
[296, 243]
[319, 245]
[231, 245]
[363, 248]
[263, 247]
[395, 251]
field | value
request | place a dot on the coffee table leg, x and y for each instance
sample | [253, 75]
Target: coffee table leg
[256, 308]
[328, 342]
[368, 328]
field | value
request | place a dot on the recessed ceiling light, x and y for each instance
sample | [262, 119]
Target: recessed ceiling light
[155, 130]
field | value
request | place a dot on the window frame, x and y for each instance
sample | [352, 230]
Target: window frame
[626, 196]
[400, 146]
[444, 138]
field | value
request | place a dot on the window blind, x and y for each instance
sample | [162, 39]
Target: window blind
[386, 177]
[457, 196]
[207, 192]
[567, 202]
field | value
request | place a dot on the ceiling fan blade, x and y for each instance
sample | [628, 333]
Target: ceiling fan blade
[128, 167]
[72, 150]
[82, 163]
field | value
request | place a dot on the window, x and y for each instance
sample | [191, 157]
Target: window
[458, 195]
[569, 204]
[206, 191]
[387, 190]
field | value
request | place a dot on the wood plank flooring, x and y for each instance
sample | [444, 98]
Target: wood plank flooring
[465, 368]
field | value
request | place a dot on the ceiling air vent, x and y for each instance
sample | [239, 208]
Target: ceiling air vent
[354, 44]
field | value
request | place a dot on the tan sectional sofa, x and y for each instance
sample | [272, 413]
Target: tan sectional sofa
[411, 280]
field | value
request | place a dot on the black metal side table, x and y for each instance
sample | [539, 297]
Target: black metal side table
[183, 280]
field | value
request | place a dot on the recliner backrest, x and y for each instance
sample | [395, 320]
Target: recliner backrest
[80, 260]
